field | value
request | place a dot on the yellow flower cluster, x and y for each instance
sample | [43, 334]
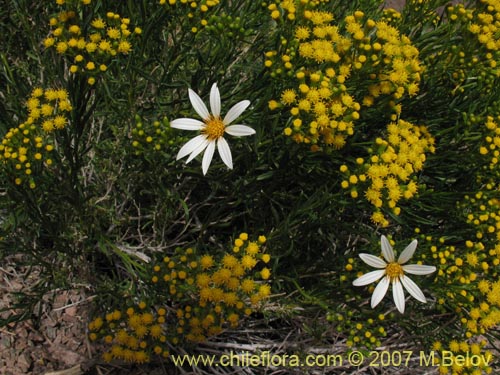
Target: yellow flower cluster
[48, 108]
[483, 22]
[386, 176]
[90, 50]
[338, 71]
[222, 291]
[25, 150]
[199, 295]
[491, 146]
[361, 332]
[288, 9]
[151, 136]
[134, 335]
[414, 10]
[476, 57]
[486, 217]
[460, 361]
[391, 15]
[468, 274]
[197, 9]
[486, 319]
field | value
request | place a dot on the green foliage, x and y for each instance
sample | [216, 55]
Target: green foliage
[367, 122]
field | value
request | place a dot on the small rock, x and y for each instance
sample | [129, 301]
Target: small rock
[23, 363]
[64, 355]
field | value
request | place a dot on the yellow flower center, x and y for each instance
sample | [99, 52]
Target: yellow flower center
[394, 270]
[214, 128]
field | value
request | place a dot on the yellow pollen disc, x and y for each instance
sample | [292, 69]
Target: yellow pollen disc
[394, 270]
[214, 128]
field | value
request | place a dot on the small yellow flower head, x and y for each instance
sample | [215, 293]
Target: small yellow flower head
[59, 122]
[229, 261]
[49, 42]
[265, 273]
[74, 29]
[48, 126]
[273, 104]
[454, 346]
[252, 248]
[248, 262]
[105, 46]
[141, 357]
[113, 33]
[288, 97]
[156, 331]
[91, 47]
[264, 290]
[141, 331]
[248, 286]
[134, 321]
[124, 47]
[46, 110]
[147, 318]
[302, 33]
[61, 47]
[206, 261]
[32, 103]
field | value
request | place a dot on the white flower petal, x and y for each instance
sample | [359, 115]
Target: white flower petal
[202, 143]
[207, 157]
[202, 146]
[413, 289]
[239, 130]
[368, 278]
[190, 146]
[373, 261]
[380, 291]
[408, 252]
[225, 152]
[215, 100]
[387, 251]
[418, 269]
[398, 295]
[198, 105]
[235, 111]
[187, 124]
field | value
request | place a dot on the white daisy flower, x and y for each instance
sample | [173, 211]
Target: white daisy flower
[212, 129]
[393, 272]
